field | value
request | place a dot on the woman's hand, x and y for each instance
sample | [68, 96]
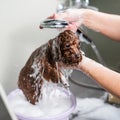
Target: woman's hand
[75, 17]
[76, 66]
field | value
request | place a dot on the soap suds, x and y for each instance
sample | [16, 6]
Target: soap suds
[54, 102]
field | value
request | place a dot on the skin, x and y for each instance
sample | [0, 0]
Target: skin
[107, 24]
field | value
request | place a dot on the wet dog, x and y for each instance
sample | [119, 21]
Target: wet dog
[43, 64]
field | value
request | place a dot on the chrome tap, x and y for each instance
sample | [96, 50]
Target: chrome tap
[79, 3]
[63, 5]
[66, 4]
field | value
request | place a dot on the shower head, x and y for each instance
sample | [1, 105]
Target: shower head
[53, 23]
[59, 24]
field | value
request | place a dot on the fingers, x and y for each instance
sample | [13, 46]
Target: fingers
[60, 16]
[72, 27]
[52, 16]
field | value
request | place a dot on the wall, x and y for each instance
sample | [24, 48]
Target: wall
[20, 35]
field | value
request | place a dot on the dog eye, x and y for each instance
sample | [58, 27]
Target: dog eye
[67, 45]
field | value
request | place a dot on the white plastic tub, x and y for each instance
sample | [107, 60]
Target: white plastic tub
[28, 108]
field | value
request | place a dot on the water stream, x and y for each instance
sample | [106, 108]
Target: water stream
[97, 53]
[88, 41]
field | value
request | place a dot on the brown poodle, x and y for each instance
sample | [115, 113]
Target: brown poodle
[44, 61]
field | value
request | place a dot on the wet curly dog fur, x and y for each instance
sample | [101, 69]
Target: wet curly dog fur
[44, 61]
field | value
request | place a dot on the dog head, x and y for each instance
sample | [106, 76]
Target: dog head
[69, 47]
[65, 48]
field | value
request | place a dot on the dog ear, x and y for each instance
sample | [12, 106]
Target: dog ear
[58, 44]
[54, 49]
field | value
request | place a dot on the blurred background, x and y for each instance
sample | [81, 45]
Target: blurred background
[20, 35]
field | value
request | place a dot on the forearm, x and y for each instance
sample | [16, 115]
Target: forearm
[104, 23]
[107, 78]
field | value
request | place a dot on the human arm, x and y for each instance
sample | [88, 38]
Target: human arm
[107, 24]
[107, 78]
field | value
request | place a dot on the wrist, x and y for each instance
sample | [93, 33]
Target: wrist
[83, 64]
[86, 65]
[86, 16]
[91, 19]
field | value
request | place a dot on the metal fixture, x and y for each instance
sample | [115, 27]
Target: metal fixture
[66, 4]
[52, 23]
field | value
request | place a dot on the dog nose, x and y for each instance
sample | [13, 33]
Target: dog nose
[77, 55]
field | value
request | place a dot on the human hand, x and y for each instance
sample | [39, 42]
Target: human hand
[75, 17]
[73, 66]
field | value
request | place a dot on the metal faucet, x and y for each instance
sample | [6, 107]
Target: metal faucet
[66, 4]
